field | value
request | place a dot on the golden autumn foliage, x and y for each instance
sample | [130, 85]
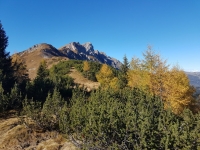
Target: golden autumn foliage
[86, 66]
[154, 76]
[178, 92]
[139, 79]
[107, 78]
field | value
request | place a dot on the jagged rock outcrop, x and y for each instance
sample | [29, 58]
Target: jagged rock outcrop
[86, 51]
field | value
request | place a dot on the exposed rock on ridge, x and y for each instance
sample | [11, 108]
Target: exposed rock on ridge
[86, 51]
[72, 50]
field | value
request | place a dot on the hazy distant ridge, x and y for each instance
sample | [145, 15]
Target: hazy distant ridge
[194, 78]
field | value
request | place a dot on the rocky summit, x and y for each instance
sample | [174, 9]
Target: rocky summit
[86, 51]
[73, 50]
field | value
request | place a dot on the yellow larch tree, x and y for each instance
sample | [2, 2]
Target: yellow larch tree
[178, 92]
[137, 77]
[106, 77]
[157, 68]
[154, 76]
[86, 67]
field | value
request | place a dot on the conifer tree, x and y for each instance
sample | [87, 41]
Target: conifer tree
[86, 67]
[123, 76]
[51, 110]
[125, 66]
[131, 119]
[6, 70]
[3, 99]
[106, 77]
[15, 98]
[178, 92]
[42, 83]
[153, 75]
[156, 68]
[138, 77]
[20, 72]
[42, 71]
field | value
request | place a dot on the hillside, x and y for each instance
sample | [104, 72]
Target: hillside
[35, 54]
[82, 81]
[16, 135]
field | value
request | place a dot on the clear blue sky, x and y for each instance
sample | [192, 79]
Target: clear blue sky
[116, 27]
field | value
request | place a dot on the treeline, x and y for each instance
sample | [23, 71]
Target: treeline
[144, 105]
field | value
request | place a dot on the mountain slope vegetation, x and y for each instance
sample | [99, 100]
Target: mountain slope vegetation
[144, 104]
[35, 54]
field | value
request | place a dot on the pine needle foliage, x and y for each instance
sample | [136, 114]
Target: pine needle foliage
[6, 70]
[129, 119]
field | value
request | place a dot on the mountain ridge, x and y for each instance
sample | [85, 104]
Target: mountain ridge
[74, 50]
[194, 78]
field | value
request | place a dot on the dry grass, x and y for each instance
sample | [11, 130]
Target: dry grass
[33, 59]
[82, 81]
[17, 136]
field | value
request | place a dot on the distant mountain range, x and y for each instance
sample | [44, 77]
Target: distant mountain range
[194, 78]
[33, 55]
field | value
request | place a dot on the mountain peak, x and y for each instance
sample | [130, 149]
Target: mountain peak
[88, 46]
[75, 50]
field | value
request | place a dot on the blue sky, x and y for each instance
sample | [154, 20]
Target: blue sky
[116, 27]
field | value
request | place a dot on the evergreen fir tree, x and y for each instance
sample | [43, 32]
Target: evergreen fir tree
[51, 110]
[125, 66]
[20, 73]
[123, 78]
[42, 84]
[42, 71]
[15, 98]
[3, 99]
[6, 70]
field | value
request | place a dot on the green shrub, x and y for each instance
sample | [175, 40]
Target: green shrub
[129, 119]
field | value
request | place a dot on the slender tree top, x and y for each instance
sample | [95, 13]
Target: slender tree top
[125, 66]
[3, 42]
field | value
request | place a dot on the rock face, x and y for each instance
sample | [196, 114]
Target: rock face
[73, 50]
[86, 51]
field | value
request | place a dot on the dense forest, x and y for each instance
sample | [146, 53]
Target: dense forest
[146, 104]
